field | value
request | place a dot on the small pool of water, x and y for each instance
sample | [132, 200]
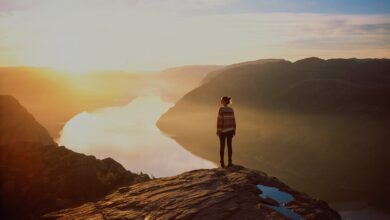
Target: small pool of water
[274, 193]
[281, 197]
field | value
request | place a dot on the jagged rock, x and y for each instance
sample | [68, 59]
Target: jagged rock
[199, 194]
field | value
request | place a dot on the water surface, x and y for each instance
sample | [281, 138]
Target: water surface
[129, 135]
[281, 197]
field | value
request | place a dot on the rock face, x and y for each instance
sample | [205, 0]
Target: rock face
[199, 194]
[38, 176]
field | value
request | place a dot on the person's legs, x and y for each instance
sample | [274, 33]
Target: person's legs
[222, 148]
[229, 145]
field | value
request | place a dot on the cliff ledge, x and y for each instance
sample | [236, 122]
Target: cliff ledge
[233, 193]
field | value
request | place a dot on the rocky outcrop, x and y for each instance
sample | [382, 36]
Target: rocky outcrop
[38, 176]
[199, 194]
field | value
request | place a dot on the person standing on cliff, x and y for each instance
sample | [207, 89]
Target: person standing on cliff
[226, 128]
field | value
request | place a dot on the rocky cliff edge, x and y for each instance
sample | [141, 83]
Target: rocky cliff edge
[232, 193]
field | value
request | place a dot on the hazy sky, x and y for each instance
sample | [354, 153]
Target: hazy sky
[151, 35]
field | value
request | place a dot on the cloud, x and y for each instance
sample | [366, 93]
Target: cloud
[344, 32]
[9, 6]
[383, 28]
[135, 35]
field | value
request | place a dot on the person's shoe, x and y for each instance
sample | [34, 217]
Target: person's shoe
[222, 164]
[230, 164]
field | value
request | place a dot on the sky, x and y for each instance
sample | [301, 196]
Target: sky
[150, 35]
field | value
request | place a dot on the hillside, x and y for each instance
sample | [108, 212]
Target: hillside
[216, 72]
[17, 125]
[177, 81]
[234, 193]
[312, 123]
[38, 176]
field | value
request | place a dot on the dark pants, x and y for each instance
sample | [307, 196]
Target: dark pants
[228, 136]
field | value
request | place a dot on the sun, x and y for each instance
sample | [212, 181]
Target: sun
[74, 68]
[70, 56]
[70, 52]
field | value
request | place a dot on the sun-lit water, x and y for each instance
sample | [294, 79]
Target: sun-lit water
[129, 135]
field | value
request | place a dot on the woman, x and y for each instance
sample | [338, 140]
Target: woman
[226, 128]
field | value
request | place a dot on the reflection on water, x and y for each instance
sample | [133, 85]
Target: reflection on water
[129, 135]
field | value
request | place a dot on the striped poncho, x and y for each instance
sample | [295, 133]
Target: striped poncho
[226, 121]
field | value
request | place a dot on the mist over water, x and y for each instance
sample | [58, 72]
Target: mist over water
[129, 135]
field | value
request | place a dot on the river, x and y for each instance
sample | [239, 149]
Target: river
[129, 135]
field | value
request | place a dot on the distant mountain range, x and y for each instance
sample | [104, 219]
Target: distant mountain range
[322, 126]
[38, 176]
[54, 97]
[177, 81]
[223, 69]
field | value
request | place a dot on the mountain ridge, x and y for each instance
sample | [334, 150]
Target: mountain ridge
[13, 114]
[320, 120]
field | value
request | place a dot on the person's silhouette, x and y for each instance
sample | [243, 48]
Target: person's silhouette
[226, 128]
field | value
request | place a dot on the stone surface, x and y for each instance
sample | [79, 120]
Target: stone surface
[199, 194]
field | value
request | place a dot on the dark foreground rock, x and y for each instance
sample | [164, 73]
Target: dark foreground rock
[199, 194]
[38, 176]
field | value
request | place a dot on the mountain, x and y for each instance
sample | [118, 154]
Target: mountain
[233, 193]
[321, 126]
[38, 176]
[177, 81]
[54, 96]
[211, 75]
[17, 125]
